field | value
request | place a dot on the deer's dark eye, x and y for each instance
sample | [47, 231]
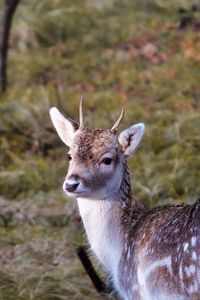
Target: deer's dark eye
[107, 161]
[69, 157]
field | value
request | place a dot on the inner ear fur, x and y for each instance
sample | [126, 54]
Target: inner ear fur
[130, 138]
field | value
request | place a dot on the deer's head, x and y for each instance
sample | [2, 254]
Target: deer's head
[96, 156]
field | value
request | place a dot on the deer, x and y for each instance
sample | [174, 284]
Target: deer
[149, 253]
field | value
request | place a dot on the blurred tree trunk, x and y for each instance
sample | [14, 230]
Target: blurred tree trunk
[8, 9]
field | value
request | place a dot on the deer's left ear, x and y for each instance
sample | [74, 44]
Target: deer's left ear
[130, 138]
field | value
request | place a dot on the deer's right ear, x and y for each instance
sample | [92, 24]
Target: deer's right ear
[63, 126]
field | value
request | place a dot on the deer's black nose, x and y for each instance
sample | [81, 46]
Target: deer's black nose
[71, 187]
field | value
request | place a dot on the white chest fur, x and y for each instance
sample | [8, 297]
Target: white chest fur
[102, 231]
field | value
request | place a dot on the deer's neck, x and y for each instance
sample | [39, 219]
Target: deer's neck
[102, 221]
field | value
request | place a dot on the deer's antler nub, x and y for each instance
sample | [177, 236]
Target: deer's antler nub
[119, 120]
[81, 112]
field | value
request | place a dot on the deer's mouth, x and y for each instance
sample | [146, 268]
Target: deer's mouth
[76, 193]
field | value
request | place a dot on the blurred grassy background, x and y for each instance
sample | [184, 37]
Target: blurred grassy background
[141, 54]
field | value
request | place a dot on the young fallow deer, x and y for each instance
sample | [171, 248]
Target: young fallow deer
[151, 254]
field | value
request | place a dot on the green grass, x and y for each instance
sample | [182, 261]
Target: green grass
[115, 53]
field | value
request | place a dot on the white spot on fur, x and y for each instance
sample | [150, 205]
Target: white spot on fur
[190, 270]
[193, 241]
[198, 275]
[194, 256]
[185, 247]
[193, 287]
[181, 275]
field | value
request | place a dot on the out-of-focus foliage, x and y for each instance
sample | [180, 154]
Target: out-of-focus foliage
[140, 54]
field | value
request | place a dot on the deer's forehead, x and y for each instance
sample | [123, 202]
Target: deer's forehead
[89, 144]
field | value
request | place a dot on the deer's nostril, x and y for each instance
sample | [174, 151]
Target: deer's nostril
[71, 187]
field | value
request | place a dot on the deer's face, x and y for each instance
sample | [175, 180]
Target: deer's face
[96, 156]
[95, 164]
